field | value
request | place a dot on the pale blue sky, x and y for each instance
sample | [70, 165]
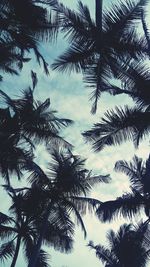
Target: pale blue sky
[70, 97]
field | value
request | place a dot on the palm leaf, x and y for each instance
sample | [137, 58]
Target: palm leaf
[71, 207]
[4, 219]
[43, 259]
[8, 100]
[93, 180]
[7, 250]
[75, 58]
[135, 170]
[146, 32]
[85, 13]
[84, 204]
[34, 79]
[126, 206]
[102, 253]
[131, 169]
[122, 15]
[37, 176]
[135, 78]
[7, 231]
[117, 126]
[59, 236]
[74, 24]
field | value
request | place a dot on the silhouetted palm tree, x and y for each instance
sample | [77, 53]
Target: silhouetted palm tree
[20, 228]
[64, 188]
[33, 119]
[24, 123]
[98, 47]
[137, 200]
[128, 247]
[23, 25]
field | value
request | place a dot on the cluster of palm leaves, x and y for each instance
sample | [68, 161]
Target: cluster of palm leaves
[103, 49]
[23, 25]
[127, 247]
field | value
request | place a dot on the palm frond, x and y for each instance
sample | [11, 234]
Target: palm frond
[59, 236]
[7, 231]
[4, 219]
[34, 79]
[93, 180]
[43, 259]
[136, 82]
[40, 59]
[7, 250]
[37, 176]
[117, 126]
[75, 58]
[74, 24]
[131, 169]
[146, 32]
[85, 13]
[77, 214]
[84, 204]
[8, 100]
[135, 170]
[126, 206]
[122, 15]
[102, 253]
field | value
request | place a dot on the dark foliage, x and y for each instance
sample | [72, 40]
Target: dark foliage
[130, 204]
[127, 247]
[23, 24]
[97, 52]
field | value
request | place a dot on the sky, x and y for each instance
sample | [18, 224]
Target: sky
[69, 97]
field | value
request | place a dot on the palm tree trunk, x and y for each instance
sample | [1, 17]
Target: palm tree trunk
[16, 252]
[98, 14]
[36, 250]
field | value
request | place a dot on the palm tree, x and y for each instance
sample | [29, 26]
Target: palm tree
[127, 247]
[63, 189]
[35, 120]
[22, 27]
[131, 203]
[24, 123]
[98, 47]
[21, 228]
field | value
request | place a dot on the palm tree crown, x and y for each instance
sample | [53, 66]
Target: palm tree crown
[127, 247]
[64, 188]
[97, 47]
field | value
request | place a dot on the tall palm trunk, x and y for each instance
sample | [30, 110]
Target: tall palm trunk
[16, 252]
[36, 250]
[98, 14]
